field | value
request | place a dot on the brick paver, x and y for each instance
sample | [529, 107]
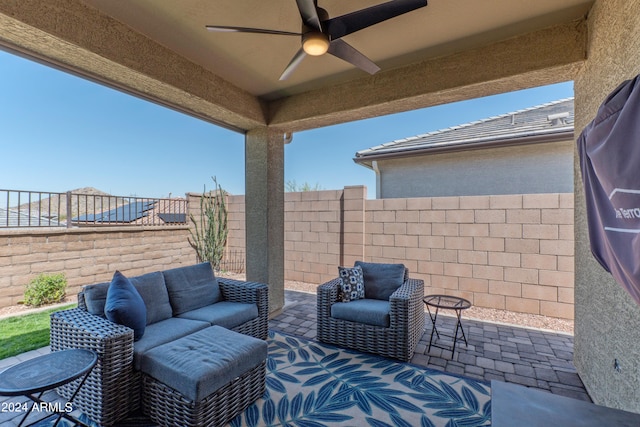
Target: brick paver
[530, 357]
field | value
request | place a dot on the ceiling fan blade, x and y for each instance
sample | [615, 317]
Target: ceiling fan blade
[297, 59]
[225, 29]
[340, 26]
[346, 52]
[309, 13]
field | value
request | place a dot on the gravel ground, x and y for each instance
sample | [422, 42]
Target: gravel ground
[479, 313]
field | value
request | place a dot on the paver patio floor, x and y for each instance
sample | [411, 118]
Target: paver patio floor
[530, 357]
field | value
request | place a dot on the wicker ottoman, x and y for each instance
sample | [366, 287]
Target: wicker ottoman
[203, 379]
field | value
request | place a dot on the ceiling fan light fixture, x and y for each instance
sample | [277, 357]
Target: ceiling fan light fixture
[315, 43]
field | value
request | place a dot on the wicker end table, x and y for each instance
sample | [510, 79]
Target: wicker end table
[446, 302]
[33, 377]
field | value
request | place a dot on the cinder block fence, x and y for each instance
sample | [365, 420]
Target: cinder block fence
[510, 252]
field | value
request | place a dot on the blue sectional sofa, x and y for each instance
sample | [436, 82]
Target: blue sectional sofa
[179, 302]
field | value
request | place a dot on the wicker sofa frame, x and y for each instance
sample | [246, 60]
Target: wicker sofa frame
[113, 388]
[398, 341]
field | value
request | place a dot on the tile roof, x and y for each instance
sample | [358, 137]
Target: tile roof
[534, 124]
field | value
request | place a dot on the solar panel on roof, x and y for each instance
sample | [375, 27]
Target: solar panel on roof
[122, 214]
[173, 218]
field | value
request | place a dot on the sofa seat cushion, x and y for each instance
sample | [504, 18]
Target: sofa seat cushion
[163, 332]
[199, 364]
[227, 314]
[370, 311]
[381, 280]
[192, 287]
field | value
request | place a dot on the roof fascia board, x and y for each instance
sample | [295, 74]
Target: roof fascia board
[507, 142]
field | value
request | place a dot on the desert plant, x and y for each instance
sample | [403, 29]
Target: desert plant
[293, 186]
[209, 233]
[45, 289]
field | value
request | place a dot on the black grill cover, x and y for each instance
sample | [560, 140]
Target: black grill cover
[609, 149]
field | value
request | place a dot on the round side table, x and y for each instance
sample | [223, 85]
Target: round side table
[33, 377]
[446, 302]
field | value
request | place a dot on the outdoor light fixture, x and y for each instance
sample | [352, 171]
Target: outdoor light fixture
[315, 43]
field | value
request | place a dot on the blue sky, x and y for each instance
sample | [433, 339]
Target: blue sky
[60, 132]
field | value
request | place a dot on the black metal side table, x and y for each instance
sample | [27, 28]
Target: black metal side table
[447, 302]
[33, 377]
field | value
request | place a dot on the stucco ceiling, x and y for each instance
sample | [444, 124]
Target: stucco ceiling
[159, 50]
[254, 62]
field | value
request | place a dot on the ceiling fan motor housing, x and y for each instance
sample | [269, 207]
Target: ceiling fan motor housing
[315, 43]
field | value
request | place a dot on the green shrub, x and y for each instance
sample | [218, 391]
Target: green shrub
[45, 289]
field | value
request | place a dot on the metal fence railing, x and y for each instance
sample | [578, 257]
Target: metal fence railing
[233, 261]
[47, 209]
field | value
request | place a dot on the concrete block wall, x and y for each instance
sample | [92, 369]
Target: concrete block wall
[235, 223]
[313, 235]
[511, 252]
[87, 255]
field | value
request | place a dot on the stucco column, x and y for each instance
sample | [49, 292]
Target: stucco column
[264, 211]
[607, 320]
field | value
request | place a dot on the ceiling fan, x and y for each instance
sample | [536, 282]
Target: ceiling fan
[321, 34]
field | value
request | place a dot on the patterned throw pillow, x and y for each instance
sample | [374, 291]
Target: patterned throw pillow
[352, 285]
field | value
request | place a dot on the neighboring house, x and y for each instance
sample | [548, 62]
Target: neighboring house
[523, 152]
[10, 218]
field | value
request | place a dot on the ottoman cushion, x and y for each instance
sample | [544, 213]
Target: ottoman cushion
[199, 364]
[163, 332]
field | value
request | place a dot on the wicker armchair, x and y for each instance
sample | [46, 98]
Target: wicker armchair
[113, 388]
[399, 340]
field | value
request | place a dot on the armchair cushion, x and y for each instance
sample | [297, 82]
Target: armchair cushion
[381, 280]
[125, 306]
[191, 287]
[369, 311]
[352, 285]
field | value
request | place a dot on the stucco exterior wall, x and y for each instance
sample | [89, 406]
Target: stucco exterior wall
[607, 324]
[524, 169]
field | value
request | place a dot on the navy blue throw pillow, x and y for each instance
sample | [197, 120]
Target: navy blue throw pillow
[125, 306]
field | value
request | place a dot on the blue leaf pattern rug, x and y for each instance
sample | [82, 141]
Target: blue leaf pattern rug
[313, 385]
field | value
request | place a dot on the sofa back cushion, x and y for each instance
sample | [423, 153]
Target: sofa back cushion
[191, 287]
[151, 288]
[381, 280]
[94, 297]
[154, 293]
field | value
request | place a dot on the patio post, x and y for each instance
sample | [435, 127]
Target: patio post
[264, 211]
